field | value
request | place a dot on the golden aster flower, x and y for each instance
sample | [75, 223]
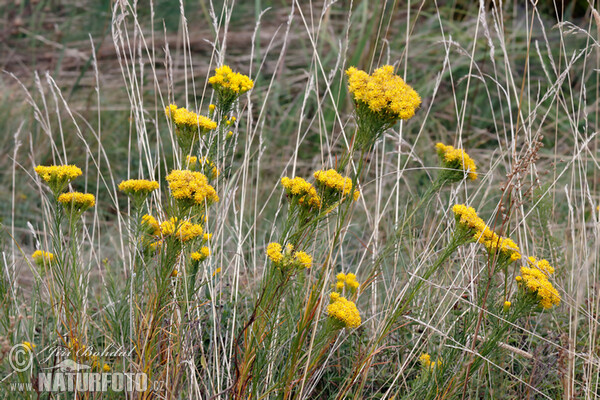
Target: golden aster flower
[42, 258]
[188, 125]
[542, 265]
[229, 86]
[274, 252]
[299, 190]
[335, 187]
[106, 368]
[304, 260]
[380, 99]
[29, 346]
[457, 163]
[135, 187]
[58, 176]
[506, 306]
[536, 282]
[152, 224]
[225, 79]
[201, 255]
[76, 202]
[182, 230]
[468, 219]
[191, 188]
[345, 312]
[383, 92]
[426, 362]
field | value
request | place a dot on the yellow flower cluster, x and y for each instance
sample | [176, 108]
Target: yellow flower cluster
[288, 257]
[58, 176]
[383, 92]
[344, 311]
[346, 280]
[138, 186]
[42, 257]
[456, 159]
[226, 79]
[201, 255]
[183, 118]
[537, 282]
[151, 223]
[204, 163]
[542, 265]
[184, 231]
[274, 252]
[303, 259]
[331, 179]
[76, 201]
[426, 362]
[495, 244]
[29, 346]
[191, 187]
[302, 190]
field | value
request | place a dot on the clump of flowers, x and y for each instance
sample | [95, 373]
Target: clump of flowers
[191, 188]
[347, 281]
[542, 265]
[151, 224]
[456, 162]
[204, 165]
[334, 187]
[58, 176]
[42, 258]
[426, 362]
[381, 99]
[182, 230]
[188, 125]
[201, 255]
[138, 189]
[29, 346]
[297, 189]
[537, 283]
[343, 311]
[229, 86]
[286, 258]
[75, 203]
[505, 248]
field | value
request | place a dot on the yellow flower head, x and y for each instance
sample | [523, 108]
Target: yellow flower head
[42, 257]
[537, 282]
[302, 191]
[383, 92]
[456, 159]
[542, 265]
[76, 202]
[141, 187]
[506, 306]
[58, 176]
[201, 255]
[225, 79]
[29, 346]
[191, 188]
[426, 362]
[344, 311]
[183, 231]
[106, 368]
[304, 260]
[183, 118]
[333, 183]
[152, 224]
[274, 252]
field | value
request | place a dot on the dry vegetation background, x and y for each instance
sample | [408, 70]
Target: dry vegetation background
[496, 77]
